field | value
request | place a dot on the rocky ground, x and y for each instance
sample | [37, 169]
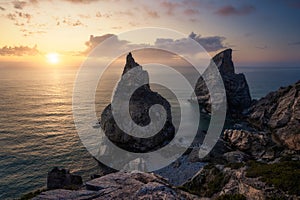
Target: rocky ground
[257, 156]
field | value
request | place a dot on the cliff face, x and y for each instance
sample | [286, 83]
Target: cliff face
[279, 112]
[140, 102]
[236, 86]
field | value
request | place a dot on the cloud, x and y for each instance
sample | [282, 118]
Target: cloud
[170, 7]
[230, 10]
[69, 22]
[1, 8]
[19, 15]
[151, 13]
[191, 12]
[19, 4]
[27, 33]
[212, 43]
[18, 51]
[94, 41]
[294, 43]
[99, 15]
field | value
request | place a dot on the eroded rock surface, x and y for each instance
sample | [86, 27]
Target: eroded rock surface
[236, 86]
[279, 113]
[141, 101]
[122, 185]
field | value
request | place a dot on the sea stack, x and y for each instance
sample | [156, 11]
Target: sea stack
[236, 86]
[140, 103]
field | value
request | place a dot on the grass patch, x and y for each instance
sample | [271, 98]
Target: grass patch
[284, 175]
[235, 165]
[210, 181]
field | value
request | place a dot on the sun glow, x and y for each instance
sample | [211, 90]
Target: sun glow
[52, 58]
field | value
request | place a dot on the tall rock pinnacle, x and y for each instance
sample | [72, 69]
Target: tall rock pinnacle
[236, 86]
[130, 63]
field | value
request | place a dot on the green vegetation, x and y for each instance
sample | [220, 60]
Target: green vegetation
[235, 165]
[30, 195]
[210, 181]
[231, 197]
[284, 175]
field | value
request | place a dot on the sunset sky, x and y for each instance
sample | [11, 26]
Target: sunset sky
[262, 33]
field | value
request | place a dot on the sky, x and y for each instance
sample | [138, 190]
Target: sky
[260, 32]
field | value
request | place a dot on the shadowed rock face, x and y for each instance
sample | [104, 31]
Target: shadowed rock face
[236, 86]
[58, 179]
[280, 113]
[121, 185]
[140, 102]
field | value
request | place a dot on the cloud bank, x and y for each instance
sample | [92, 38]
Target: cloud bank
[18, 51]
[230, 10]
[210, 44]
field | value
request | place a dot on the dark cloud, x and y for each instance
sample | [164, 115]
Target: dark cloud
[19, 4]
[230, 10]
[18, 51]
[294, 43]
[1, 8]
[182, 45]
[94, 41]
[213, 43]
[170, 7]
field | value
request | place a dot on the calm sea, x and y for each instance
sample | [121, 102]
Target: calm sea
[37, 131]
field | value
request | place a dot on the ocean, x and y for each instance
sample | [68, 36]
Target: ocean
[37, 131]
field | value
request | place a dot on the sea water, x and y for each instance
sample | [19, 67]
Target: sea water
[37, 131]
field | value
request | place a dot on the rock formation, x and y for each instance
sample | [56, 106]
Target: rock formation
[236, 86]
[279, 113]
[121, 185]
[257, 158]
[257, 145]
[140, 102]
[63, 179]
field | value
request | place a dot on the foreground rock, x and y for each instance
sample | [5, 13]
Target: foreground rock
[141, 101]
[236, 86]
[214, 181]
[279, 113]
[122, 185]
[63, 179]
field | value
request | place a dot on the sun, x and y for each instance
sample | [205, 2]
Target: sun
[52, 58]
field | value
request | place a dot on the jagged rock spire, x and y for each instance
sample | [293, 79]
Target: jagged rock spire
[130, 63]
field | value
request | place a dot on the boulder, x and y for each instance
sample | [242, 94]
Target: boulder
[63, 179]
